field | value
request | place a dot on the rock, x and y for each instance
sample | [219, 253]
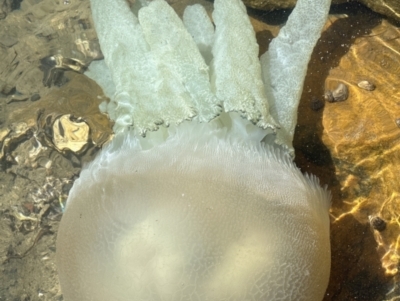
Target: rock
[366, 85]
[341, 93]
[80, 98]
[363, 135]
[389, 8]
[353, 147]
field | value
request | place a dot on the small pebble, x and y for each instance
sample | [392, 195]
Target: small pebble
[35, 97]
[316, 104]
[366, 85]
[377, 223]
[341, 93]
[397, 122]
[328, 96]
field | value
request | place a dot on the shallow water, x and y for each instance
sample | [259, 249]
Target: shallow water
[349, 145]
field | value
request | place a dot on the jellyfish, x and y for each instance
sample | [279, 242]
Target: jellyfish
[197, 196]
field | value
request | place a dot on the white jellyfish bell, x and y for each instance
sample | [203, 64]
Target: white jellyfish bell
[211, 207]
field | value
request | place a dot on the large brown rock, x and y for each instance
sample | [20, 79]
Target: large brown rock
[353, 146]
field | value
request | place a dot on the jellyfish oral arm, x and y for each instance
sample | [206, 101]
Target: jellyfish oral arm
[284, 65]
[162, 76]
